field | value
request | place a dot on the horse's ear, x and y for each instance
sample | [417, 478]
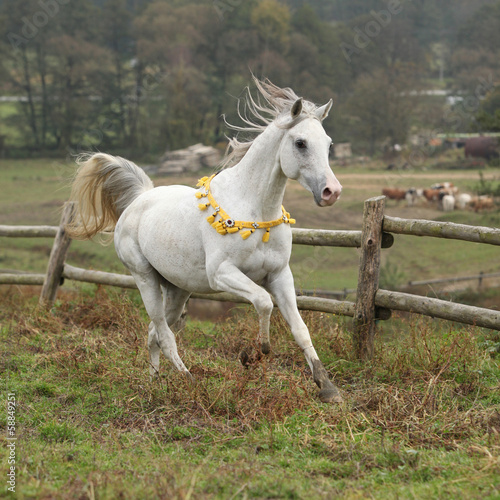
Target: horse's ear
[296, 108]
[323, 111]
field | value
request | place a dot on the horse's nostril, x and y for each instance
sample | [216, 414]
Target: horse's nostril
[327, 193]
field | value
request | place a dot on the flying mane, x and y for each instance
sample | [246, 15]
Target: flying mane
[276, 108]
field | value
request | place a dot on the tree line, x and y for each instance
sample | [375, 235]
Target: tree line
[150, 75]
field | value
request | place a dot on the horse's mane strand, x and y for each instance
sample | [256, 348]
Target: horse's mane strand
[276, 108]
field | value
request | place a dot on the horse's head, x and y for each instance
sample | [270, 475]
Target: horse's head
[304, 153]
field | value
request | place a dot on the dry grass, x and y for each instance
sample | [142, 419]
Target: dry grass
[428, 397]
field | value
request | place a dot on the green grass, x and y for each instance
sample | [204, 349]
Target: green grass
[324, 268]
[422, 420]
[33, 190]
[430, 258]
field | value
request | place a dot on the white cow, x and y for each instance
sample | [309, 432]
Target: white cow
[448, 202]
[463, 200]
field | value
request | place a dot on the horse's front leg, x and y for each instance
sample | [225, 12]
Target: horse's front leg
[228, 278]
[282, 288]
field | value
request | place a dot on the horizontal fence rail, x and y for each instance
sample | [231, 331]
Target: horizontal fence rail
[21, 279]
[479, 277]
[98, 277]
[436, 308]
[28, 231]
[371, 304]
[312, 237]
[324, 237]
[449, 230]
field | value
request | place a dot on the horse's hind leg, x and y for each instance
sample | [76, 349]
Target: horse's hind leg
[154, 351]
[174, 301]
[149, 281]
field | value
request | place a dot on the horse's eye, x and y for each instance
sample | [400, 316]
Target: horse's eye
[300, 143]
[331, 149]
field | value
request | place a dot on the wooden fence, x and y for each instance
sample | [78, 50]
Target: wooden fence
[371, 303]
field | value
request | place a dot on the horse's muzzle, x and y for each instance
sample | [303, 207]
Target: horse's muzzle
[330, 193]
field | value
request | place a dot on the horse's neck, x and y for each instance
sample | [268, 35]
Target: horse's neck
[257, 180]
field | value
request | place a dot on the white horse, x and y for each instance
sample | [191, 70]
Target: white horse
[172, 249]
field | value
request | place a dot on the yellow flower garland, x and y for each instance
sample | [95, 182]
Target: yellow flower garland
[227, 224]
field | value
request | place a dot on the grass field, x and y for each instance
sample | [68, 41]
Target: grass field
[421, 420]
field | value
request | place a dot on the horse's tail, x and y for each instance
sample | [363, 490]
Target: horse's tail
[103, 188]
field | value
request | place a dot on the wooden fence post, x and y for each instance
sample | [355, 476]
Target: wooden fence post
[369, 269]
[57, 257]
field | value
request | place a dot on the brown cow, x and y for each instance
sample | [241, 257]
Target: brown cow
[394, 193]
[482, 203]
[432, 194]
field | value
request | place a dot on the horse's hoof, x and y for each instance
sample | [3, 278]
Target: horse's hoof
[265, 347]
[329, 395]
[244, 358]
